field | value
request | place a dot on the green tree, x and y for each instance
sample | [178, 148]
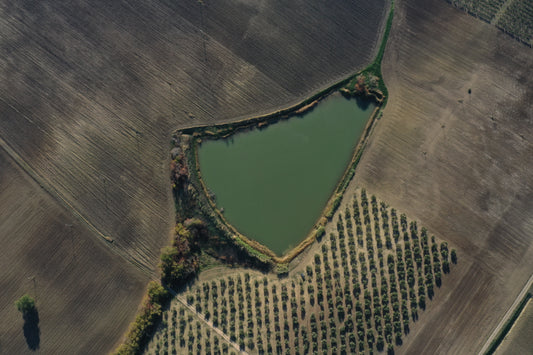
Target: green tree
[25, 304]
[454, 256]
[380, 344]
[157, 293]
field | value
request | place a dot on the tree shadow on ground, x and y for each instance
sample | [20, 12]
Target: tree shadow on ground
[363, 103]
[32, 333]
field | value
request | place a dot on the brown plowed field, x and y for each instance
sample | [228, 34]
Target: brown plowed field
[459, 162]
[85, 295]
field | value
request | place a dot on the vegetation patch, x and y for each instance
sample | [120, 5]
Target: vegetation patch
[142, 328]
[369, 82]
[26, 306]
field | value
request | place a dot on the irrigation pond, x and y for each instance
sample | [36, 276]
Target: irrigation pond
[273, 183]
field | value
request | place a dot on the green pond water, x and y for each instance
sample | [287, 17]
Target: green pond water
[274, 183]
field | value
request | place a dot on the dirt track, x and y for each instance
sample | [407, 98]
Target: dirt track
[461, 163]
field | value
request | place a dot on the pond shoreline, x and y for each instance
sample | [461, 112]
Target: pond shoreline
[194, 136]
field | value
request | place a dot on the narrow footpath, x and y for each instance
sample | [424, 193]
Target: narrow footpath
[210, 324]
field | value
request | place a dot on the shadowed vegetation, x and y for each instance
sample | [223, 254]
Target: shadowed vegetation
[32, 333]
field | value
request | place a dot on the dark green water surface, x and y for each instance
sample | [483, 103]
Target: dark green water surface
[274, 183]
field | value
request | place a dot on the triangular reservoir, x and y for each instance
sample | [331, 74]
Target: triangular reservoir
[274, 183]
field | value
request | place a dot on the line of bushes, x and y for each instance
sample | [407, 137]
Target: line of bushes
[142, 328]
[375, 67]
[179, 263]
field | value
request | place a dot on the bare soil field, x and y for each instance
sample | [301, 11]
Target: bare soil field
[85, 294]
[453, 150]
[91, 91]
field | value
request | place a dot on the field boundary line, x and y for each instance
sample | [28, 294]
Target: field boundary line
[217, 330]
[56, 195]
[507, 315]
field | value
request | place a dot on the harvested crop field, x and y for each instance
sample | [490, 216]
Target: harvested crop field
[459, 162]
[84, 293]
